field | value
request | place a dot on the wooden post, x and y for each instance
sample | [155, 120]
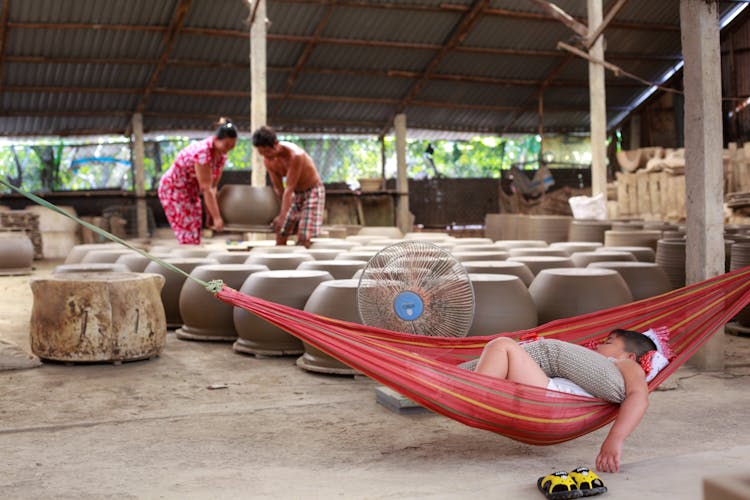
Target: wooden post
[258, 68]
[699, 21]
[635, 132]
[597, 103]
[402, 181]
[381, 139]
[140, 176]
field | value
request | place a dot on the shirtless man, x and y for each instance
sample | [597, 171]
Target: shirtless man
[302, 197]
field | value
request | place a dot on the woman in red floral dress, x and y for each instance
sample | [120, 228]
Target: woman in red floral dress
[197, 169]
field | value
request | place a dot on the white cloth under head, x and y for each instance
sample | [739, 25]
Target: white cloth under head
[564, 385]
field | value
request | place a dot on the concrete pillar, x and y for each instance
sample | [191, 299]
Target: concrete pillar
[635, 132]
[140, 176]
[699, 22]
[258, 68]
[598, 105]
[402, 181]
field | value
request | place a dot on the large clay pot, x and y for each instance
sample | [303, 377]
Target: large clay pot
[671, 256]
[290, 288]
[536, 263]
[279, 261]
[323, 253]
[92, 268]
[642, 254]
[204, 317]
[381, 231]
[541, 252]
[493, 226]
[583, 259]
[508, 267]
[502, 304]
[245, 207]
[645, 279]
[572, 247]
[333, 299]
[741, 258]
[332, 244]
[85, 317]
[631, 238]
[170, 294]
[229, 257]
[489, 255]
[474, 247]
[191, 252]
[562, 293]
[361, 239]
[278, 249]
[460, 242]
[107, 256]
[16, 253]
[366, 255]
[339, 269]
[135, 262]
[549, 228]
[588, 230]
[428, 236]
[508, 244]
[78, 252]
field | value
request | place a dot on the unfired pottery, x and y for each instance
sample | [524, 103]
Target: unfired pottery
[204, 317]
[508, 244]
[588, 230]
[381, 232]
[333, 299]
[333, 244]
[229, 257]
[86, 317]
[366, 256]
[429, 236]
[106, 256]
[537, 263]
[641, 254]
[323, 253]
[16, 253]
[561, 293]
[78, 252]
[631, 238]
[244, 207]
[191, 252]
[644, 279]
[290, 288]
[549, 228]
[170, 294]
[572, 247]
[279, 261]
[92, 268]
[502, 304]
[583, 259]
[541, 252]
[135, 262]
[488, 255]
[475, 247]
[339, 269]
[508, 267]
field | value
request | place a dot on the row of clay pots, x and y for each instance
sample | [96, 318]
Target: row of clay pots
[16, 253]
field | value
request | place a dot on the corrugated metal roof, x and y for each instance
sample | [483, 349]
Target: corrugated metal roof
[66, 58]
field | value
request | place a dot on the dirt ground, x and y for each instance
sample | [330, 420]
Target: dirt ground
[152, 429]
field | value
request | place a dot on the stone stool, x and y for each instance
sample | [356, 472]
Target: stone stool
[502, 304]
[170, 294]
[537, 263]
[645, 279]
[562, 293]
[290, 288]
[16, 253]
[641, 254]
[92, 268]
[583, 259]
[279, 261]
[500, 267]
[87, 317]
[333, 299]
[207, 318]
[339, 269]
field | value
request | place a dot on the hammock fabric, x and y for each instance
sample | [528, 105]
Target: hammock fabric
[424, 368]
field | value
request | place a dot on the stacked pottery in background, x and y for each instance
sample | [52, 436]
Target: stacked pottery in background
[588, 230]
[670, 255]
[631, 238]
[550, 228]
[59, 233]
[642, 254]
[740, 259]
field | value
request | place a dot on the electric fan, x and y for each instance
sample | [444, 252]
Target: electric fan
[416, 287]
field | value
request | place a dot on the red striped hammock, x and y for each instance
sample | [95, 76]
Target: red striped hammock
[424, 368]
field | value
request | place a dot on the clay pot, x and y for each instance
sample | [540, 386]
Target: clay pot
[508, 244]
[290, 288]
[381, 231]
[627, 225]
[135, 262]
[428, 236]
[170, 294]
[279, 249]
[204, 317]
[323, 253]
[631, 238]
[489, 255]
[16, 253]
[360, 239]
[642, 254]
[510, 226]
[334, 232]
[644, 279]
[572, 247]
[245, 207]
[78, 252]
[741, 258]
[92, 268]
[333, 299]
[671, 256]
[493, 226]
[508, 267]
[477, 247]
[562, 293]
[342, 245]
[339, 269]
[549, 228]
[537, 263]
[107, 256]
[190, 252]
[588, 230]
[502, 304]
[279, 261]
[583, 259]
[541, 252]
[229, 257]
[460, 242]
[86, 317]
[366, 256]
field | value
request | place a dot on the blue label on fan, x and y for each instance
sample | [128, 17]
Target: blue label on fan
[408, 306]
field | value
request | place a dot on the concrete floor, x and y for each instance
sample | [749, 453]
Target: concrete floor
[152, 429]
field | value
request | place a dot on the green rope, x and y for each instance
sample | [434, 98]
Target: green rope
[213, 286]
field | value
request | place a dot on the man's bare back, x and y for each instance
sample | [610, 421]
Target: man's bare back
[291, 157]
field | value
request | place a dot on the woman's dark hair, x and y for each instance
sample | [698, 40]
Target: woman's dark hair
[635, 342]
[225, 129]
[265, 136]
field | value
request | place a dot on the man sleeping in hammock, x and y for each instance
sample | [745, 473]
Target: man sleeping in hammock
[616, 371]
